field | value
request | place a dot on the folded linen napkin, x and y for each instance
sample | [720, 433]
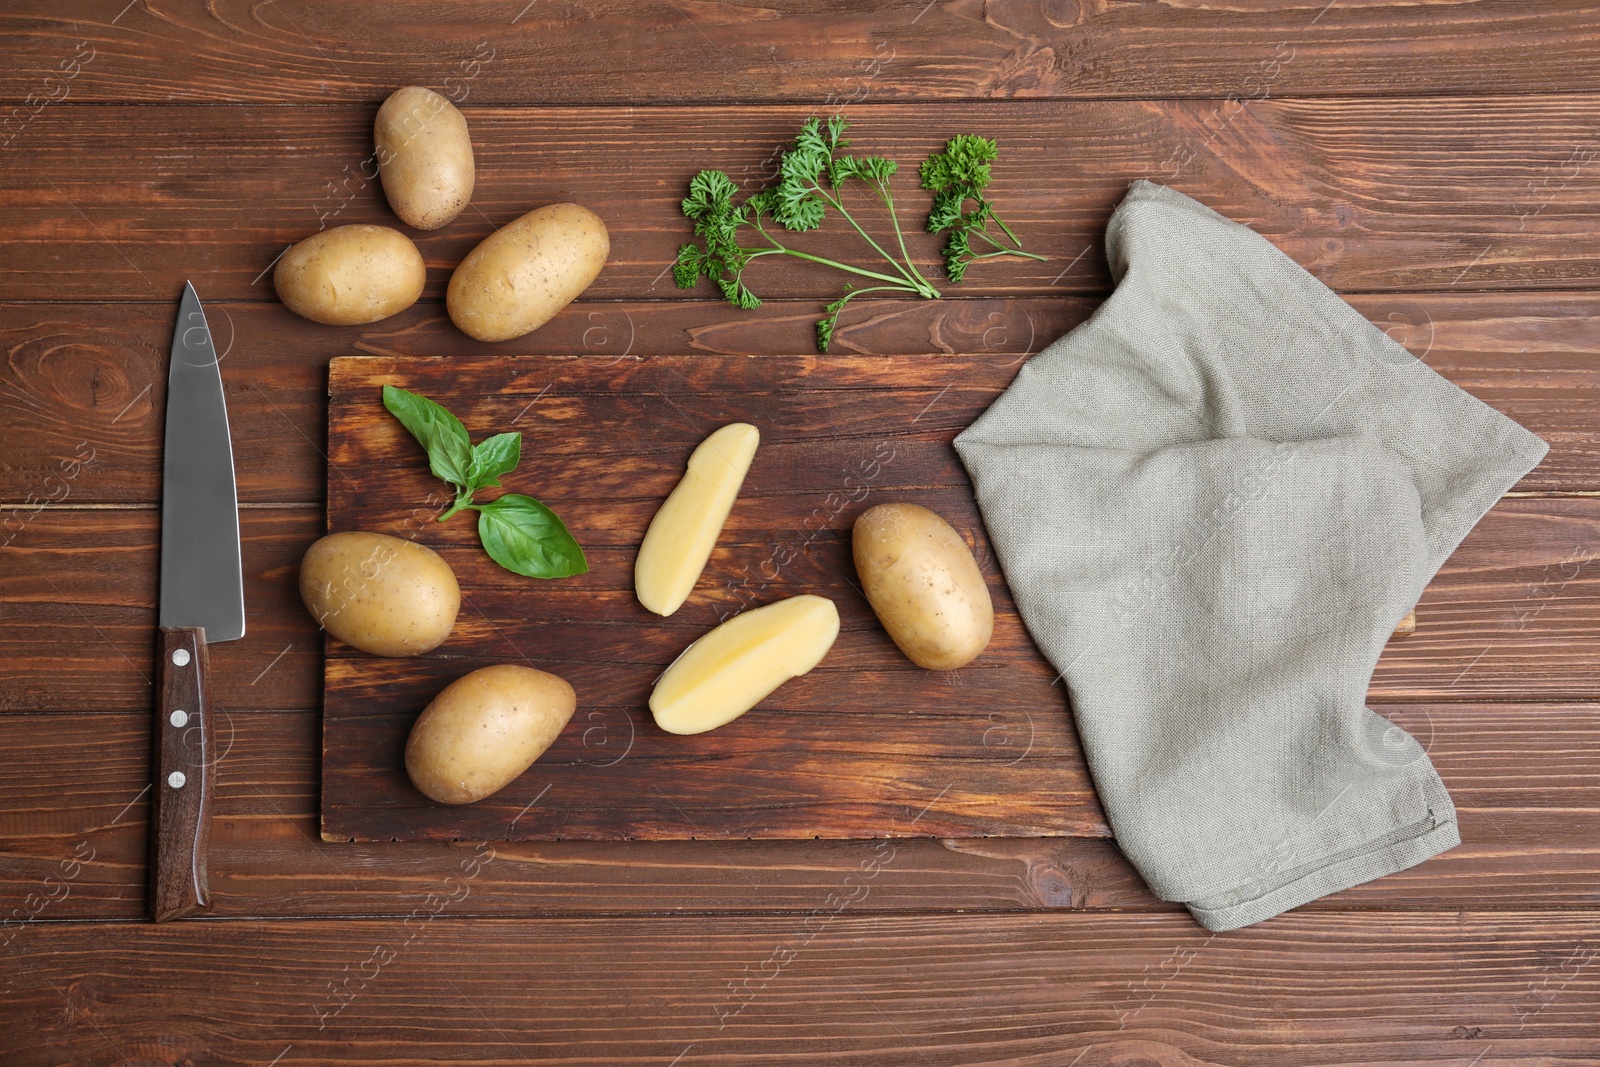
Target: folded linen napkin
[1213, 501]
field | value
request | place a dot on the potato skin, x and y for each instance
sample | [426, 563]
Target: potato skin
[484, 729]
[381, 594]
[923, 584]
[350, 275]
[424, 157]
[526, 271]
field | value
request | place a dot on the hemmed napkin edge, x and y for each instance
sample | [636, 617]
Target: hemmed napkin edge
[1344, 873]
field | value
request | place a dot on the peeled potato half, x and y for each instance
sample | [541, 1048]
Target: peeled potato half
[737, 665]
[683, 533]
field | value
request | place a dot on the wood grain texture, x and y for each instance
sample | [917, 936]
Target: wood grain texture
[1525, 780]
[1507, 618]
[502, 52]
[78, 613]
[865, 746]
[82, 387]
[827, 988]
[1472, 193]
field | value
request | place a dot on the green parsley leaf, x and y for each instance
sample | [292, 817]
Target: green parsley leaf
[964, 163]
[691, 261]
[946, 210]
[711, 192]
[825, 332]
[737, 295]
[955, 176]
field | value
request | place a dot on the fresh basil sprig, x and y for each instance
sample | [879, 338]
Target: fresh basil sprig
[518, 532]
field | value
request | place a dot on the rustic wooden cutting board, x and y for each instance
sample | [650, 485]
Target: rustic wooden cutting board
[866, 745]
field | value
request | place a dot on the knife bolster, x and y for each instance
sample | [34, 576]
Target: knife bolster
[180, 791]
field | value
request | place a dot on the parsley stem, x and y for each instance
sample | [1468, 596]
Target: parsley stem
[852, 294]
[1008, 252]
[981, 232]
[825, 326]
[917, 281]
[902, 282]
[1005, 250]
[888, 202]
[1014, 238]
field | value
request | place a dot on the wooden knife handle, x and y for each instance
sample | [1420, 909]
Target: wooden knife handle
[180, 806]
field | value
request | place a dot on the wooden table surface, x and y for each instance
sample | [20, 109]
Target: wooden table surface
[1437, 163]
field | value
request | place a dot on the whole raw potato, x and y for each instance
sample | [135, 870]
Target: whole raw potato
[350, 275]
[923, 584]
[526, 271]
[424, 157]
[484, 729]
[381, 594]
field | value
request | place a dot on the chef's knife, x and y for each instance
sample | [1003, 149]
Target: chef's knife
[202, 600]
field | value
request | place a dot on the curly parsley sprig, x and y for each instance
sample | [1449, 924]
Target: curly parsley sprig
[955, 176]
[811, 178]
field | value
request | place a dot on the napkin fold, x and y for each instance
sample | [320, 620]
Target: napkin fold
[1213, 501]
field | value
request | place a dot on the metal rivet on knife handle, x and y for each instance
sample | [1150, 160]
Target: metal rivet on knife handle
[183, 773]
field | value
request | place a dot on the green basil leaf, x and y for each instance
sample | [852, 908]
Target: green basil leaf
[525, 537]
[492, 457]
[441, 433]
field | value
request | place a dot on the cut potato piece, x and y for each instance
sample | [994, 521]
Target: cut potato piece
[734, 667]
[684, 531]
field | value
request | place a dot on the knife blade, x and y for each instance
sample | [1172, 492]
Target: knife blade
[201, 602]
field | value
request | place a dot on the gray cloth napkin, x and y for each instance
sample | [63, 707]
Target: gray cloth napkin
[1213, 501]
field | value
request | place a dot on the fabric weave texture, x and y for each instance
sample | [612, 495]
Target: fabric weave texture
[1213, 501]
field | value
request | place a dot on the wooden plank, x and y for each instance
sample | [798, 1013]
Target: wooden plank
[1370, 195]
[1529, 355]
[1524, 779]
[84, 389]
[499, 51]
[77, 611]
[831, 987]
[1507, 618]
[266, 858]
[1537, 594]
